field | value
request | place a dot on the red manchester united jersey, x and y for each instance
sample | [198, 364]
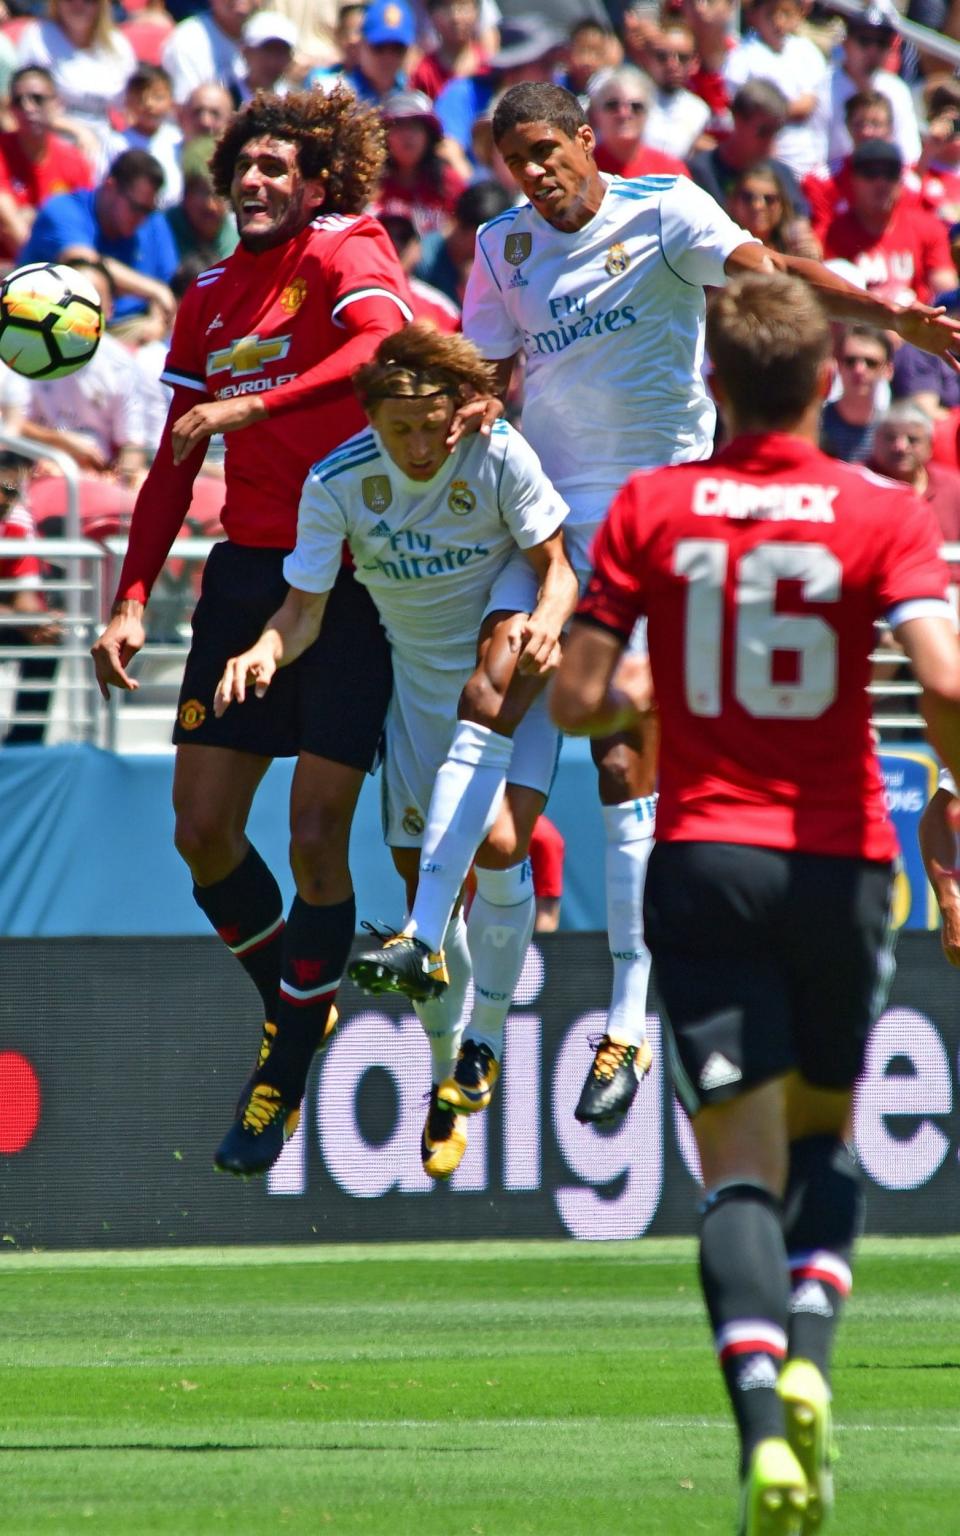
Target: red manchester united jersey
[263, 319]
[761, 573]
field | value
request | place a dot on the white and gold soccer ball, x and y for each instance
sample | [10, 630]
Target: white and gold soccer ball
[51, 320]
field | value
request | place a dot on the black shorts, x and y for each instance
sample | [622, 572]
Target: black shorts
[766, 962]
[331, 701]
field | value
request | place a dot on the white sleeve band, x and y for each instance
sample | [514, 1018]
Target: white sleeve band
[372, 293]
[921, 608]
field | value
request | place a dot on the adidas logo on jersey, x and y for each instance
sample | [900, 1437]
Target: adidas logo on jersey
[759, 1371]
[381, 531]
[518, 281]
[810, 1296]
[719, 1072]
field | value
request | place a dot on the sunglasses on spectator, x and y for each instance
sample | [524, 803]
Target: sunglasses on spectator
[871, 39]
[877, 172]
[143, 209]
[24, 98]
[766, 198]
[872, 364]
[663, 55]
[624, 106]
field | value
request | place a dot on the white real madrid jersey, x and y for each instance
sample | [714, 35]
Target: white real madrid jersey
[611, 320]
[427, 551]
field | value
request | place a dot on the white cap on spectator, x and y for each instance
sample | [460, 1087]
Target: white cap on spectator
[269, 27]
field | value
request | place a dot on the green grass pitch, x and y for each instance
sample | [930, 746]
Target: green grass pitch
[488, 1389]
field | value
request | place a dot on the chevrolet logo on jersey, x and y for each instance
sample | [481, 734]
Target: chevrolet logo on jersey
[248, 355]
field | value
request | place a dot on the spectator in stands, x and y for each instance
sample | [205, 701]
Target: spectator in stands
[758, 112]
[387, 34]
[95, 414]
[459, 51]
[528, 51]
[35, 162]
[547, 849]
[712, 25]
[268, 43]
[201, 224]
[677, 118]
[24, 618]
[90, 61]
[637, 28]
[206, 112]
[117, 221]
[939, 164]
[148, 101]
[348, 37]
[848, 423]
[428, 302]
[147, 31]
[865, 48]
[902, 449]
[592, 48]
[417, 180]
[901, 250]
[618, 107]
[208, 47]
[447, 259]
[796, 66]
[868, 115]
[759, 203]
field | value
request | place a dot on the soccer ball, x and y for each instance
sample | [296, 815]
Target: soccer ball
[51, 320]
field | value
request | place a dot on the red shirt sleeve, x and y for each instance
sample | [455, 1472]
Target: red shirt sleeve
[912, 568]
[370, 299]
[186, 364]
[162, 505]
[614, 593]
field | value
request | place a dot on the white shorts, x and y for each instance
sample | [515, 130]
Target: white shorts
[515, 589]
[419, 728]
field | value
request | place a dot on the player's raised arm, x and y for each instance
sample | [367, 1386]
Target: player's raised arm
[294, 627]
[932, 330]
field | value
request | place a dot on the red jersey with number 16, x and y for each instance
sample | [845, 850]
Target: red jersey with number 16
[261, 319]
[761, 573]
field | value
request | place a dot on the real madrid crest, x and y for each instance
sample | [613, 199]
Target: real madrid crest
[293, 295]
[377, 492]
[412, 822]
[461, 499]
[618, 260]
[516, 248]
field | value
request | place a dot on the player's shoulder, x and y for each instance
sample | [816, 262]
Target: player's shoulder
[493, 236]
[329, 229]
[359, 450]
[641, 189]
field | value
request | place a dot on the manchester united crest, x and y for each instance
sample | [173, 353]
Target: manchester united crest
[618, 260]
[293, 296]
[516, 248]
[192, 714]
[461, 499]
[377, 492]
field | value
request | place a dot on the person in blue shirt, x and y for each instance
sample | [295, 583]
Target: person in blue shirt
[529, 49]
[386, 37]
[116, 223]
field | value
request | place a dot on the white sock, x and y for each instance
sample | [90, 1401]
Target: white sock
[630, 829]
[442, 1017]
[467, 794]
[499, 929]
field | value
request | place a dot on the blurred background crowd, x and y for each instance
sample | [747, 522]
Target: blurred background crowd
[823, 135]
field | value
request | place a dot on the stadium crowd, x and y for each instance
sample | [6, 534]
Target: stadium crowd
[822, 138]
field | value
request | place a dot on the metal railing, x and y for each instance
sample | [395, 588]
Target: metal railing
[78, 583]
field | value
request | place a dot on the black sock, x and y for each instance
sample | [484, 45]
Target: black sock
[316, 943]
[822, 1216]
[743, 1271]
[247, 911]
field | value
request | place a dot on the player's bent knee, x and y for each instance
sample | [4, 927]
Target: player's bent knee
[481, 701]
[319, 844]
[208, 842]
